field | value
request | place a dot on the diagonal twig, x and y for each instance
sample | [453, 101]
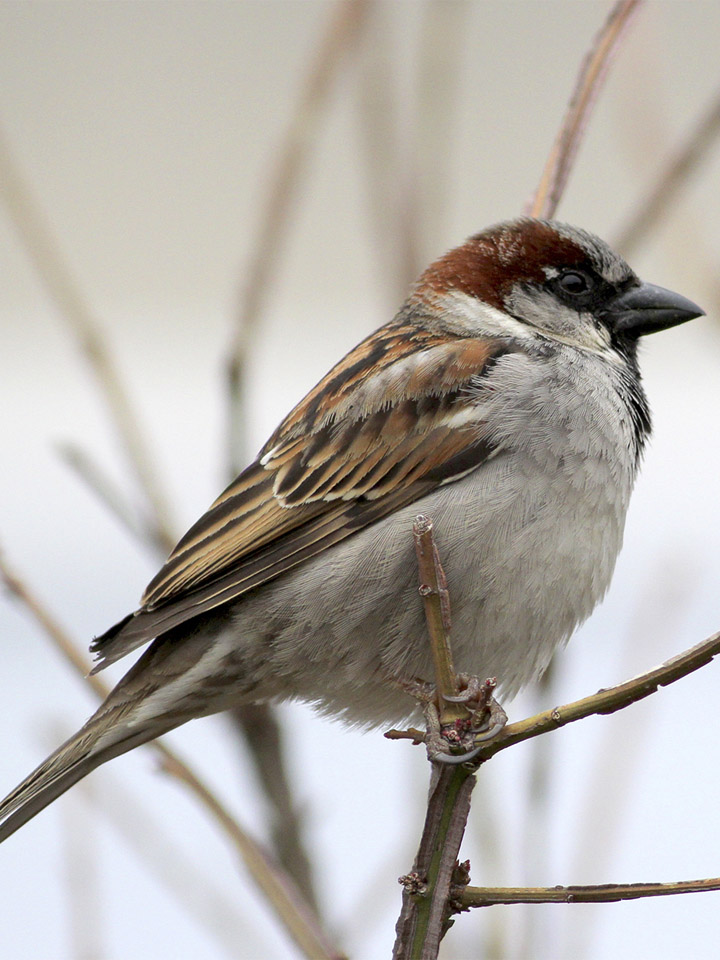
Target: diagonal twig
[608, 700]
[679, 169]
[590, 79]
[65, 292]
[283, 895]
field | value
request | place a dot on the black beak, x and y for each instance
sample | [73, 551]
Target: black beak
[647, 309]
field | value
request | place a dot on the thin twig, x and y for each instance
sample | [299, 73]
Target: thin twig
[423, 918]
[679, 169]
[594, 893]
[293, 154]
[286, 900]
[199, 896]
[590, 79]
[264, 736]
[92, 474]
[426, 889]
[607, 700]
[434, 593]
[62, 286]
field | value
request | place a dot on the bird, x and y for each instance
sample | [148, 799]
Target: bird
[504, 401]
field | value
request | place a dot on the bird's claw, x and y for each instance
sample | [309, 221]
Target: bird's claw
[486, 718]
[479, 740]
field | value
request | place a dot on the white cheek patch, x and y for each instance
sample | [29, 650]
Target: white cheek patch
[548, 316]
[543, 315]
[463, 312]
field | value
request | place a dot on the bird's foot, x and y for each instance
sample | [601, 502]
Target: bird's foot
[465, 736]
[460, 739]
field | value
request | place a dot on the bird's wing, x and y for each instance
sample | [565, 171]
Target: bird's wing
[392, 421]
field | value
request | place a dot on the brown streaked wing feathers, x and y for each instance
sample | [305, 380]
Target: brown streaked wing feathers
[243, 519]
[321, 478]
[299, 545]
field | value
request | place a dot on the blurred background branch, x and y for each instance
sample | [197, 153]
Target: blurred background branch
[679, 169]
[592, 75]
[73, 308]
[288, 902]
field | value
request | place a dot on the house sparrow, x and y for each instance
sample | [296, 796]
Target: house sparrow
[503, 401]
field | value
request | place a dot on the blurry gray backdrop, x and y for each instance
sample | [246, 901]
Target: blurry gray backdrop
[148, 134]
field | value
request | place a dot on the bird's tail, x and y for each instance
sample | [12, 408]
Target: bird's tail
[155, 696]
[101, 739]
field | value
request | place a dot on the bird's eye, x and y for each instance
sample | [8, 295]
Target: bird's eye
[574, 283]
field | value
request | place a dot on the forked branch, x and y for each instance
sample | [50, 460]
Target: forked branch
[436, 887]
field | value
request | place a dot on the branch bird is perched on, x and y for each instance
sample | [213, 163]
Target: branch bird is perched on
[504, 401]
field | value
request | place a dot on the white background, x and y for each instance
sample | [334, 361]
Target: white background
[147, 133]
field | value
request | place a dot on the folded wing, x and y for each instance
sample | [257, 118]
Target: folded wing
[392, 421]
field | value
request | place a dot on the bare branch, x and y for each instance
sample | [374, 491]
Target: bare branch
[263, 734]
[424, 915]
[92, 474]
[64, 290]
[608, 700]
[436, 600]
[426, 889]
[678, 171]
[283, 895]
[596, 893]
[590, 79]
